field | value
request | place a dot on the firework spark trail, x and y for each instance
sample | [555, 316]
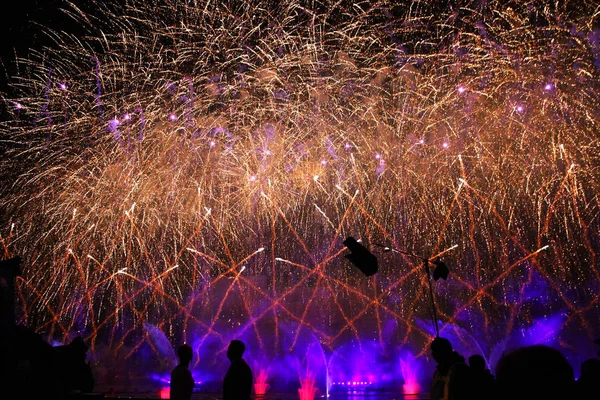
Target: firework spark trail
[190, 134]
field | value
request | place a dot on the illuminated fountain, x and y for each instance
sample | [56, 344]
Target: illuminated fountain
[188, 173]
[260, 384]
[307, 389]
[164, 393]
[366, 366]
[410, 369]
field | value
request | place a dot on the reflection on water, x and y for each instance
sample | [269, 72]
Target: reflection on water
[285, 396]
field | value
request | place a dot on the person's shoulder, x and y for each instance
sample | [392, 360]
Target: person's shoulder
[461, 369]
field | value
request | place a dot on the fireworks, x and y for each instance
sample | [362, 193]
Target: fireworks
[197, 165]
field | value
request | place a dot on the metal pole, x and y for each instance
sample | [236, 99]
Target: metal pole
[431, 297]
[426, 267]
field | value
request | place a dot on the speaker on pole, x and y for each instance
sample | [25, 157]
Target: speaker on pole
[361, 257]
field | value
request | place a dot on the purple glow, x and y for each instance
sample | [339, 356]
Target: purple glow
[549, 86]
[542, 331]
[422, 141]
[126, 117]
[173, 117]
[113, 126]
[212, 143]
[348, 146]
[410, 369]
[323, 162]
[371, 367]
[252, 178]
[18, 106]
[156, 377]
[519, 108]
[63, 86]
[381, 167]
[445, 145]
[461, 89]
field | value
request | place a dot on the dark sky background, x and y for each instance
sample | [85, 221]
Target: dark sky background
[20, 30]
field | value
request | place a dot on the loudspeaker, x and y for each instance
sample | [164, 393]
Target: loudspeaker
[361, 257]
[440, 271]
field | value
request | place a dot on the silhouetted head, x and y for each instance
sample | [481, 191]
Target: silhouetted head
[76, 350]
[78, 345]
[477, 362]
[184, 353]
[534, 372]
[236, 350]
[441, 350]
[590, 369]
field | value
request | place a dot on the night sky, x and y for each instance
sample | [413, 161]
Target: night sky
[21, 30]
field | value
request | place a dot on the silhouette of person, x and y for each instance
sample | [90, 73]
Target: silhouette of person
[29, 367]
[76, 372]
[534, 372]
[588, 384]
[28, 364]
[182, 383]
[482, 379]
[238, 380]
[451, 379]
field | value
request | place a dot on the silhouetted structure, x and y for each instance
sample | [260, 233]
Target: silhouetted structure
[535, 372]
[238, 380]
[482, 379]
[9, 270]
[451, 380]
[182, 383]
[588, 384]
[76, 374]
[28, 365]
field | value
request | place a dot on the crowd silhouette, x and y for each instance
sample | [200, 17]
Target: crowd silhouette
[33, 369]
[535, 372]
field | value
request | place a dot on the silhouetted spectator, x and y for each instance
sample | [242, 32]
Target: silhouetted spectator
[482, 379]
[458, 358]
[534, 372]
[451, 380]
[76, 372]
[238, 380]
[28, 364]
[588, 384]
[182, 383]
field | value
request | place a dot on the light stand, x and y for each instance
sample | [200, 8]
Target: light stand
[440, 271]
